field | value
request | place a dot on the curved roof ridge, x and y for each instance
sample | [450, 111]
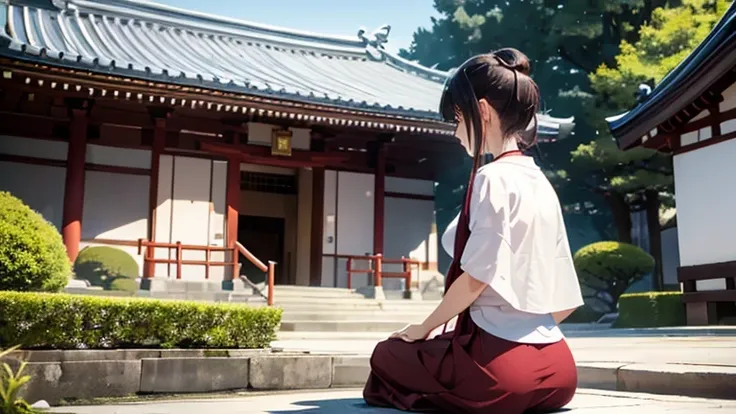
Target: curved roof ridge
[411, 66]
[152, 12]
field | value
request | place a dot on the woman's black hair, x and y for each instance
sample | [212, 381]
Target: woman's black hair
[502, 79]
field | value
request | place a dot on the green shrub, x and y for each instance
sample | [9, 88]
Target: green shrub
[611, 267]
[61, 321]
[101, 265]
[10, 386]
[650, 310]
[124, 284]
[32, 253]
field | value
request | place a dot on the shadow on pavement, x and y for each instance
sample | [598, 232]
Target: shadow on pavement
[347, 405]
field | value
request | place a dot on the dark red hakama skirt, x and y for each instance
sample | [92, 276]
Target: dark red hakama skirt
[473, 372]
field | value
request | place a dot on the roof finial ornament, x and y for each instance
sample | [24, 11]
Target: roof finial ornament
[643, 92]
[378, 37]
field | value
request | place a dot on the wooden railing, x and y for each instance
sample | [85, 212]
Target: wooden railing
[696, 302]
[179, 261]
[375, 268]
[269, 270]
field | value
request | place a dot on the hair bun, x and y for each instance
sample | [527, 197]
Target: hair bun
[514, 59]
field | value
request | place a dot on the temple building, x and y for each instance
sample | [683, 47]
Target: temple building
[692, 115]
[197, 142]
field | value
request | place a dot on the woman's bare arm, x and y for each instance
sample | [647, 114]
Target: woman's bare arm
[459, 297]
[562, 315]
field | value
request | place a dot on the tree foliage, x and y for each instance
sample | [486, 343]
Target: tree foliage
[589, 57]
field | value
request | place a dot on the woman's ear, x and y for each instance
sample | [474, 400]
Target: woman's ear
[485, 110]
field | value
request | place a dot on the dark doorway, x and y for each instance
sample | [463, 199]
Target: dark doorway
[264, 237]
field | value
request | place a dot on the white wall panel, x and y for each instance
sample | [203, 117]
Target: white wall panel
[115, 206]
[704, 209]
[120, 157]
[30, 147]
[40, 187]
[191, 209]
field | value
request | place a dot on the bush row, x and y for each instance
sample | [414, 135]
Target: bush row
[650, 310]
[61, 321]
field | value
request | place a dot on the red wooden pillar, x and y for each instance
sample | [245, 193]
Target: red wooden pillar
[318, 218]
[378, 208]
[232, 199]
[158, 146]
[74, 187]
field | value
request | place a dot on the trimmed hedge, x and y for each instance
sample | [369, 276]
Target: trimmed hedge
[61, 321]
[103, 265]
[650, 310]
[32, 252]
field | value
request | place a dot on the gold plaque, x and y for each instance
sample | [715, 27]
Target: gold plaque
[281, 142]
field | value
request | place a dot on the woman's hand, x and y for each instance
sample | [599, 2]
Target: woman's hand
[412, 333]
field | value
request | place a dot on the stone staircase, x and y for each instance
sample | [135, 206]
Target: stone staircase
[318, 309]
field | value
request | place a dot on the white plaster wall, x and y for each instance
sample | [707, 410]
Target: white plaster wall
[407, 231]
[191, 209]
[304, 226]
[164, 204]
[119, 157]
[705, 208]
[354, 221]
[330, 215]
[40, 187]
[115, 206]
[409, 186]
[29, 147]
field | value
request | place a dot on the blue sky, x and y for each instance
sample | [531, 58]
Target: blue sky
[337, 17]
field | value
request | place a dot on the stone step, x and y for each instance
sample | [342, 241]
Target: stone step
[370, 315]
[343, 326]
[350, 306]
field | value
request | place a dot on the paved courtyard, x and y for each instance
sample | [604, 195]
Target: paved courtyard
[608, 346]
[350, 401]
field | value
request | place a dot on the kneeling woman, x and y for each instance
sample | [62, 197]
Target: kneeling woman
[512, 279]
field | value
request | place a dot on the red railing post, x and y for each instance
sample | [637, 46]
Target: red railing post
[348, 268]
[236, 270]
[378, 270]
[207, 263]
[407, 271]
[178, 260]
[271, 277]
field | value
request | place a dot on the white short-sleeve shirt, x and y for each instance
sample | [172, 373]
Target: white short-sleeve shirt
[518, 245]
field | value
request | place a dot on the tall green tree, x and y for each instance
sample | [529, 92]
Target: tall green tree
[588, 57]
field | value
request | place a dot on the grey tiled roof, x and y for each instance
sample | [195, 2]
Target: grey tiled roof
[139, 39]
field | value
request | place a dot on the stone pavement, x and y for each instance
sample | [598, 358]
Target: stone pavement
[681, 346]
[350, 401]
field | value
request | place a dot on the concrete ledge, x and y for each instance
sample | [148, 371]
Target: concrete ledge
[690, 380]
[81, 380]
[179, 375]
[290, 372]
[69, 375]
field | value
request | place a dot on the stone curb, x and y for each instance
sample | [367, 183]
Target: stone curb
[70, 375]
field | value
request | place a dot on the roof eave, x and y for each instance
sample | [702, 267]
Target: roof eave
[714, 57]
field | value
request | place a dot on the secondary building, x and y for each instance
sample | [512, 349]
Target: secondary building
[692, 114]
